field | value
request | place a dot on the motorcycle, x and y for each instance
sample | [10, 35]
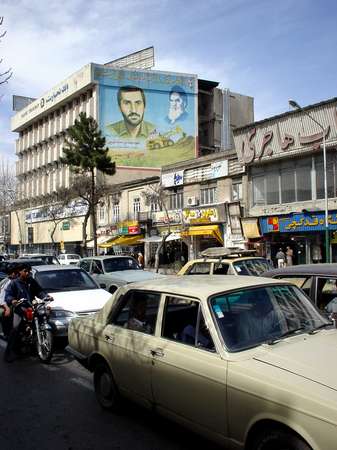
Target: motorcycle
[34, 331]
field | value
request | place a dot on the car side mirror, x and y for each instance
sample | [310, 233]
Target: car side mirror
[103, 285]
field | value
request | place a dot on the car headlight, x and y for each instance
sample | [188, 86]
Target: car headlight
[62, 313]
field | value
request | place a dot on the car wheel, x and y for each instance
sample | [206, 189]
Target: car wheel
[105, 388]
[278, 439]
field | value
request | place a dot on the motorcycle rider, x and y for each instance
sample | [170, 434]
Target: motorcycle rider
[24, 286]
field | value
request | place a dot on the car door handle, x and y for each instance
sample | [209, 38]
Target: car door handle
[108, 338]
[157, 352]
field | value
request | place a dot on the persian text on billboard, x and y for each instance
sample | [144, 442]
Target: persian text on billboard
[149, 118]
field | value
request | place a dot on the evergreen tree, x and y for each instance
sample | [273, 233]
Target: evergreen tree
[85, 153]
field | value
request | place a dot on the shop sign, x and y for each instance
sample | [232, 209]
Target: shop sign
[298, 222]
[57, 211]
[219, 169]
[290, 135]
[128, 227]
[173, 178]
[65, 226]
[201, 215]
[163, 218]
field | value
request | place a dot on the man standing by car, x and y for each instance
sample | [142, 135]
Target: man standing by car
[22, 287]
[6, 320]
[280, 258]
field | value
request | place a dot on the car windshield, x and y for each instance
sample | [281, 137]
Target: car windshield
[115, 264]
[252, 266]
[250, 317]
[73, 257]
[64, 280]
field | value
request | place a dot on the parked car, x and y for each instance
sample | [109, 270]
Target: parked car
[4, 264]
[68, 258]
[247, 362]
[74, 291]
[47, 259]
[111, 272]
[223, 261]
[318, 281]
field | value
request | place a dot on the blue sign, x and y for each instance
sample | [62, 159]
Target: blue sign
[298, 222]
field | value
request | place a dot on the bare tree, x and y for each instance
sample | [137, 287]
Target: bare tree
[156, 194]
[54, 209]
[6, 75]
[82, 188]
[9, 194]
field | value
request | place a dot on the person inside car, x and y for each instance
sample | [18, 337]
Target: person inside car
[137, 317]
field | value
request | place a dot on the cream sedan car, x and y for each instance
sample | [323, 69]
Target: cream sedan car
[247, 362]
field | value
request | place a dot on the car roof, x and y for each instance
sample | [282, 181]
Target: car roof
[226, 259]
[106, 257]
[48, 267]
[202, 285]
[304, 269]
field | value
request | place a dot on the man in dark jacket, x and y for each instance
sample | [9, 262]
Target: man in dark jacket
[22, 287]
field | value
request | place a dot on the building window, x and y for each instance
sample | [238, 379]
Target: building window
[208, 195]
[237, 191]
[101, 214]
[115, 212]
[154, 207]
[331, 177]
[176, 199]
[258, 190]
[288, 185]
[136, 207]
[285, 182]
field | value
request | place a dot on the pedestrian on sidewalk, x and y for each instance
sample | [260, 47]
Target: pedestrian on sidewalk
[280, 258]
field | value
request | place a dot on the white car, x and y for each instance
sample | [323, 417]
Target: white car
[74, 291]
[67, 259]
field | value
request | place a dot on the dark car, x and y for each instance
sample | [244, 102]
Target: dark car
[15, 262]
[318, 281]
[47, 259]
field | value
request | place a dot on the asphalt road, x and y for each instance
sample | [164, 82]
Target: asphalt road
[54, 407]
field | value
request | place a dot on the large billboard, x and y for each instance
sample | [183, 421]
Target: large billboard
[149, 118]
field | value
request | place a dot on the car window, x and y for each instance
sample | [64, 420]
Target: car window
[61, 257]
[199, 268]
[64, 280]
[303, 282]
[254, 267]
[138, 311]
[96, 267]
[85, 264]
[73, 257]
[183, 321]
[326, 291]
[115, 264]
[220, 269]
[249, 317]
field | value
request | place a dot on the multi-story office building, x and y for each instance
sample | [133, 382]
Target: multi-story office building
[180, 118]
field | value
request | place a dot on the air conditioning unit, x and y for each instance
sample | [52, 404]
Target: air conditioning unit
[192, 201]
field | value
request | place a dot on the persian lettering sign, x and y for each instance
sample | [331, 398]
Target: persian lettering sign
[201, 215]
[274, 138]
[298, 222]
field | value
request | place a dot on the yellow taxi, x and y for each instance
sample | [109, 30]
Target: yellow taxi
[223, 261]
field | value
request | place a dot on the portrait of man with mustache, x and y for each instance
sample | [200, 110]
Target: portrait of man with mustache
[132, 103]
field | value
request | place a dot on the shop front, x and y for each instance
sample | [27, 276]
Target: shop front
[203, 228]
[174, 252]
[125, 238]
[303, 233]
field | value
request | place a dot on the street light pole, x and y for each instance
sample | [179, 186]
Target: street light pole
[295, 105]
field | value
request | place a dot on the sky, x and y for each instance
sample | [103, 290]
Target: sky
[268, 49]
